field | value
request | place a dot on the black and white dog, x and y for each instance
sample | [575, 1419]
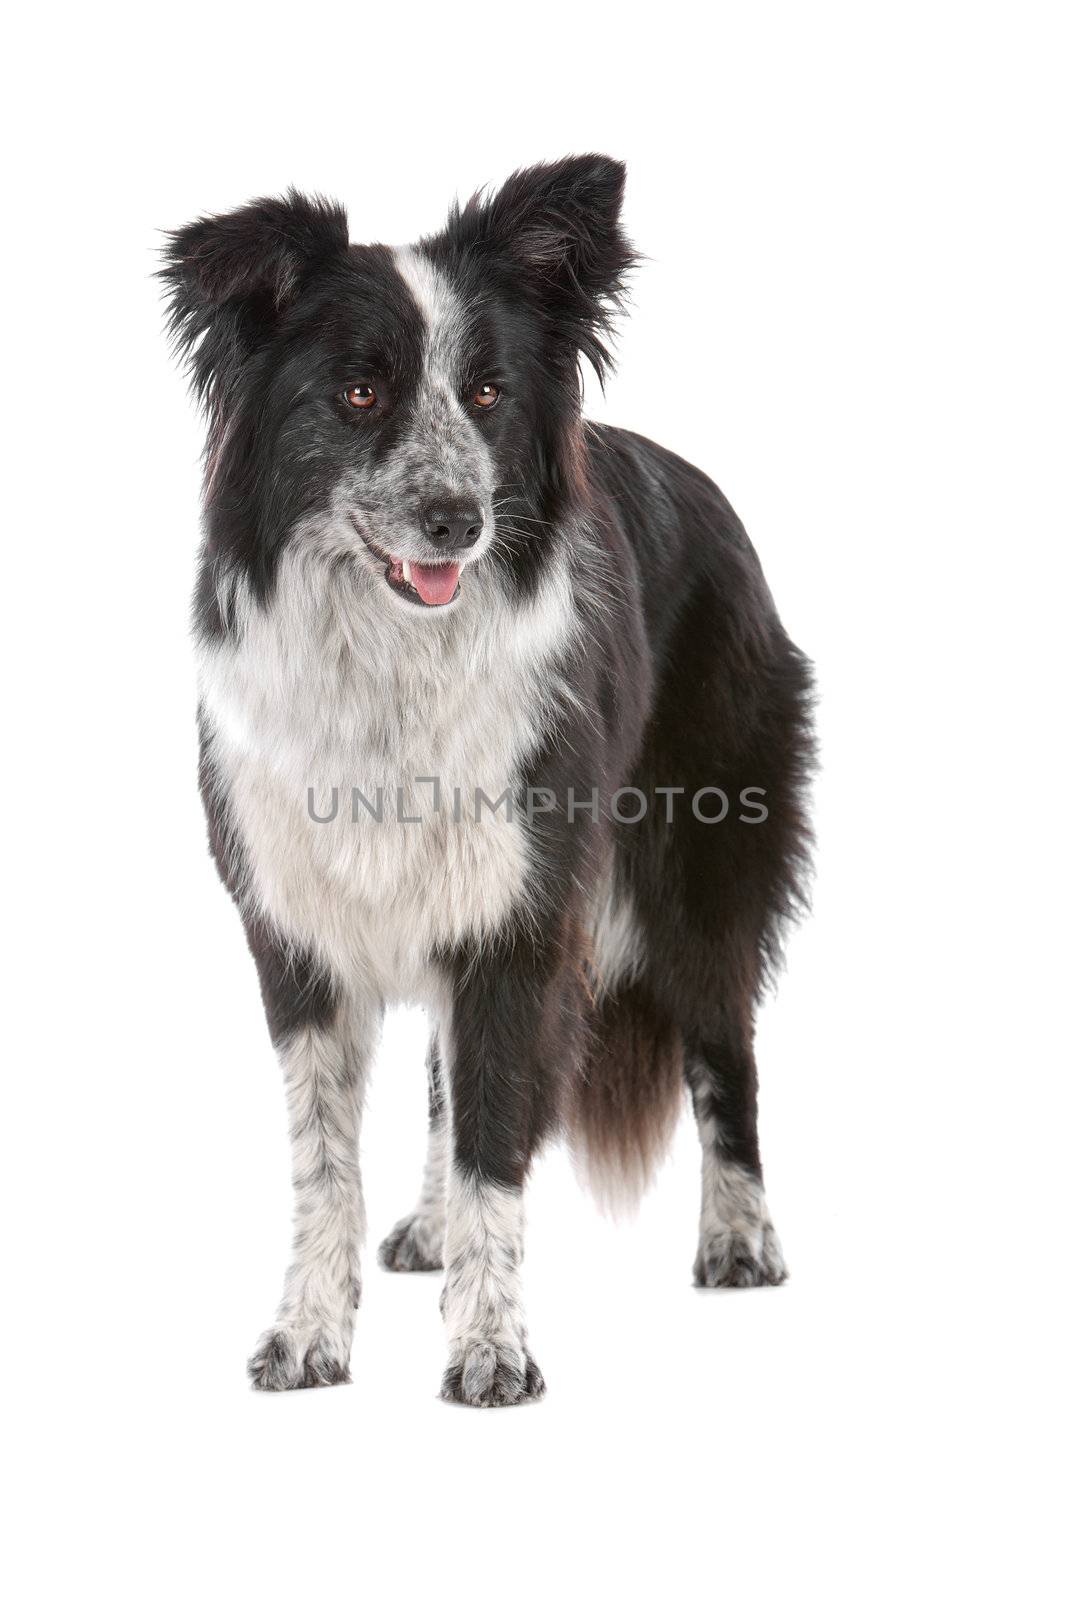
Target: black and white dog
[497, 716]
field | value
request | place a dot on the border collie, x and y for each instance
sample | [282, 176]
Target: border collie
[497, 716]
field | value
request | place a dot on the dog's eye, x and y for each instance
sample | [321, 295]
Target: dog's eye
[360, 396]
[487, 396]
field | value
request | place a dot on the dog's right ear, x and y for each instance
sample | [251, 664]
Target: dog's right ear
[558, 227]
[230, 278]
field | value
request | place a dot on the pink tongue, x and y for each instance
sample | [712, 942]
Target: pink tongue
[437, 584]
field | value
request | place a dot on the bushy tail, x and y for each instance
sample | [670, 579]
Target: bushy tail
[625, 1102]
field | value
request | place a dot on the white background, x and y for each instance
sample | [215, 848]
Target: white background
[852, 315]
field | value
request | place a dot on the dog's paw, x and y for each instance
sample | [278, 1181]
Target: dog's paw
[739, 1261]
[416, 1244]
[299, 1357]
[482, 1373]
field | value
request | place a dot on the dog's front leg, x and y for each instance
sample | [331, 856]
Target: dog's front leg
[504, 1048]
[324, 1044]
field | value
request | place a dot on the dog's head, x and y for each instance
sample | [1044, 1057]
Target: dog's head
[411, 411]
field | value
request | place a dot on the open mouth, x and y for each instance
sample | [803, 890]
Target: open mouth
[424, 583]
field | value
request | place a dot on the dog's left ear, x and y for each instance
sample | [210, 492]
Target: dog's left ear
[231, 279]
[557, 226]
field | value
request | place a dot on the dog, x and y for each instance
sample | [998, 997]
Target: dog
[497, 716]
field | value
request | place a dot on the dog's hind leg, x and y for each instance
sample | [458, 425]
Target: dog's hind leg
[715, 886]
[738, 1247]
[324, 1043]
[416, 1244]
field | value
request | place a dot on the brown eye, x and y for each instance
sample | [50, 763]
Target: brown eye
[487, 396]
[360, 397]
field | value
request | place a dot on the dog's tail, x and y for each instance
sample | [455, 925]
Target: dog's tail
[625, 1102]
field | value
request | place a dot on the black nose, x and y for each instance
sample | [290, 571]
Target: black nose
[452, 527]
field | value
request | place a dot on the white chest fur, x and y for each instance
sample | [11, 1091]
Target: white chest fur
[329, 688]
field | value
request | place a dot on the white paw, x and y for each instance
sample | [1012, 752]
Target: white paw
[482, 1372]
[416, 1244]
[728, 1259]
[300, 1356]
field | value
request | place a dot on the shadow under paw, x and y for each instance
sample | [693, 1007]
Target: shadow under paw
[487, 1374]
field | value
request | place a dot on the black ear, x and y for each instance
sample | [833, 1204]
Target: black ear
[230, 277]
[558, 225]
